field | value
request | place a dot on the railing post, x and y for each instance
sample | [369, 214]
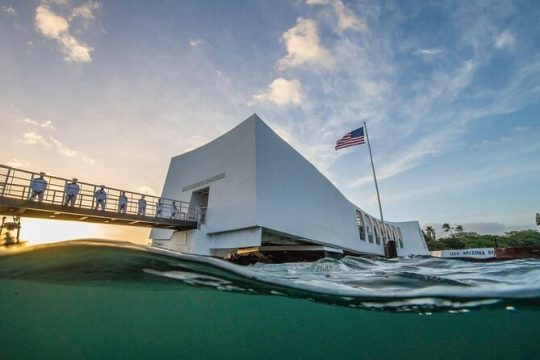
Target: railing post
[29, 188]
[93, 197]
[64, 193]
[6, 181]
[204, 212]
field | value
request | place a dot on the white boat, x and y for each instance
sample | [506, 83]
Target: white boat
[266, 202]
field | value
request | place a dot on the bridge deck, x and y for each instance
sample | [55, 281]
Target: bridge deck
[16, 192]
[34, 209]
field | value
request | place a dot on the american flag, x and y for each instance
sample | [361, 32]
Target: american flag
[355, 137]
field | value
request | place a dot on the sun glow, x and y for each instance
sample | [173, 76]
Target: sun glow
[36, 231]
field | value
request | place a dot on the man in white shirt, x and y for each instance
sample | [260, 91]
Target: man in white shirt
[142, 206]
[174, 210]
[38, 187]
[72, 190]
[159, 208]
[122, 203]
[101, 198]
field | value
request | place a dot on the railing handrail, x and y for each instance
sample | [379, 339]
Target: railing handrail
[15, 182]
[90, 184]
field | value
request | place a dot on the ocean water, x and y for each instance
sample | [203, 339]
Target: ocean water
[113, 300]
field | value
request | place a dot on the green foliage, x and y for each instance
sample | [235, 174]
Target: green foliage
[467, 240]
[429, 233]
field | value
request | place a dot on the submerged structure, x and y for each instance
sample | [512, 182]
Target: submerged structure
[265, 200]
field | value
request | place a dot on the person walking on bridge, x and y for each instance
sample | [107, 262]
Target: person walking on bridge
[122, 203]
[38, 187]
[101, 197]
[72, 190]
[142, 206]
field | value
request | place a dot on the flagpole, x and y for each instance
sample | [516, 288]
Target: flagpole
[375, 178]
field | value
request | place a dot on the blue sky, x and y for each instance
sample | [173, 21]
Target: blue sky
[110, 91]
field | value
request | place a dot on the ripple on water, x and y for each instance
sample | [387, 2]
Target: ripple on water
[410, 284]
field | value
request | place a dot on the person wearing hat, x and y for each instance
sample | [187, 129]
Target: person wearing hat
[122, 203]
[159, 208]
[174, 210]
[38, 187]
[142, 206]
[101, 197]
[72, 190]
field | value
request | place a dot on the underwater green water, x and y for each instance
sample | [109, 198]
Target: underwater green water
[50, 317]
[46, 321]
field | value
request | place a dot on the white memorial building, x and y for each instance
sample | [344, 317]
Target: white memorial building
[261, 196]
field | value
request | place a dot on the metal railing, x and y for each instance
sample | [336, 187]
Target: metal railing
[16, 184]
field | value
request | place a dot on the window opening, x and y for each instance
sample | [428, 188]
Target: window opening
[361, 225]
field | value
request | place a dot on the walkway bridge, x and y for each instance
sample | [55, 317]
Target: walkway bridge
[15, 200]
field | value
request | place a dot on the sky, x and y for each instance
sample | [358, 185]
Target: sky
[109, 91]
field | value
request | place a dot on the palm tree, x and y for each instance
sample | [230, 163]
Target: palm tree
[430, 233]
[447, 228]
[460, 229]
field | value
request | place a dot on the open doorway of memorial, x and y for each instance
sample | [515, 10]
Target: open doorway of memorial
[200, 198]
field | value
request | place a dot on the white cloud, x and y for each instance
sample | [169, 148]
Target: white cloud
[75, 50]
[30, 121]
[86, 10]
[408, 158]
[9, 10]
[347, 20]
[56, 27]
[282, 92]
[438, 90]
[33, 138]
[145, 189]
[456, 183]
[62, 149]
[16, 163]
[194, 142]
[222, 76]
[428, 53]
[195, 42]
[501, 140]
[284, 134]
[505, 40]
[304, 46]
[437, 100]
[50, 24]
[88, 160]
[57, 2]
[45, 124]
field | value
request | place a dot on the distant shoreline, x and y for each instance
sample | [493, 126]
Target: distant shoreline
[469, 240]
